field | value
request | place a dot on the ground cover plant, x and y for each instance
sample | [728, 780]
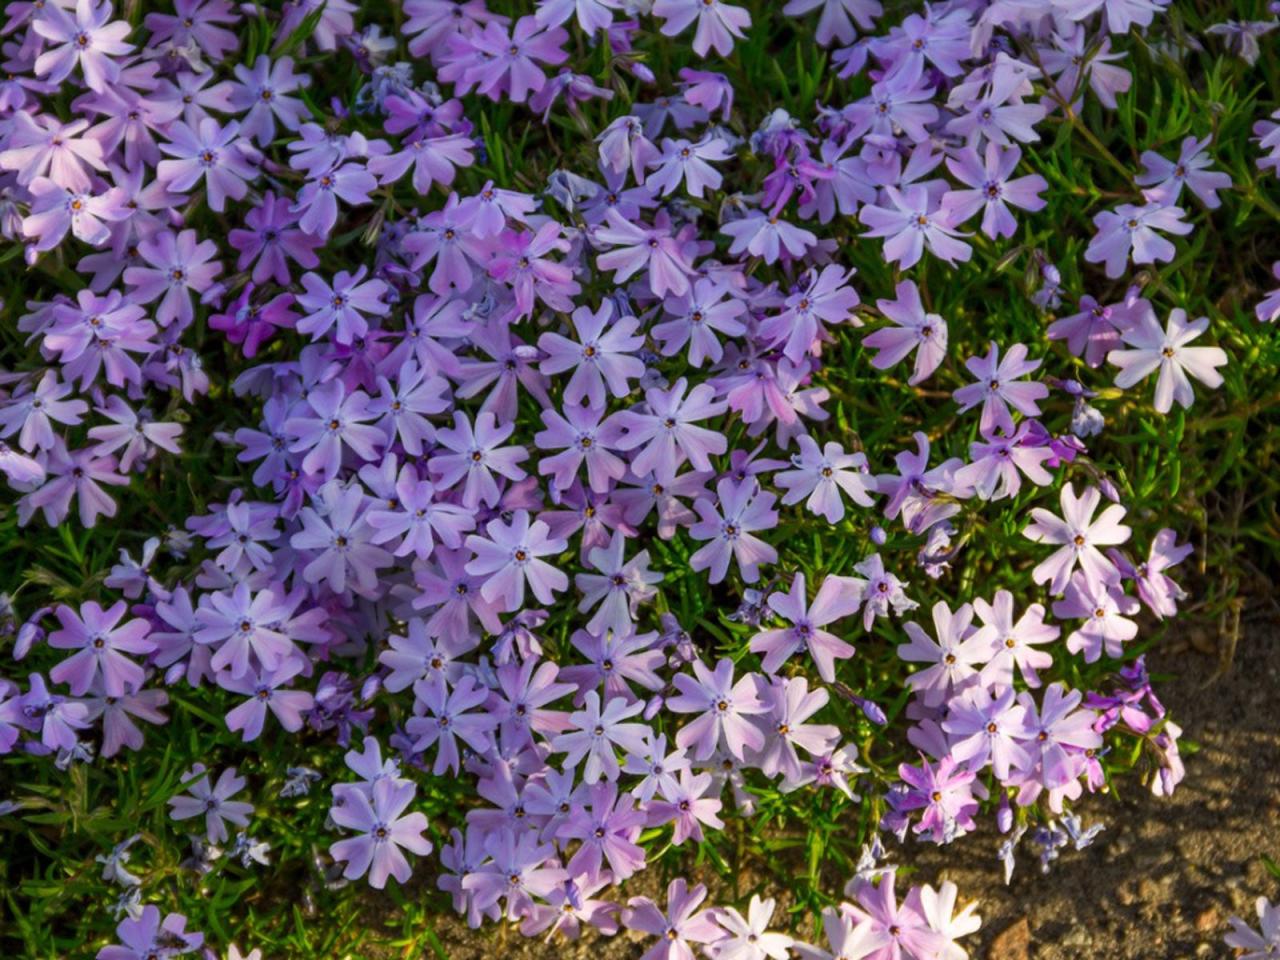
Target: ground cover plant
[496, 458]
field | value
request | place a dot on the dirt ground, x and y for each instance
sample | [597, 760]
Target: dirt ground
[1158, 884]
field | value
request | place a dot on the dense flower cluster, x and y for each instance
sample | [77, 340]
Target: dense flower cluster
[465, 408]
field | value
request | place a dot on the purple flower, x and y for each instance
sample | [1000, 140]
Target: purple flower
[837, 598]
[476, 456]
[101, 642]
[644, 248]
[925, 333]
[603, 354]
[383, 831]
[718, 24]
[1015, 641]
[146, 936]
[740, 509]
[901, 930]
[682, 924]
[701, 311]
[345, 303]
[1077, 536]
[724, 710]
[913, 224]
[510, 555]
[690, 162]
[686, 805]
[56, 717]
[178, 267]
[270, 239]
[619, 587]
[820, 475]
[41, 146]
[667, 431]
[449, 717]
[1130, 230]
[263, 92]
[1155, 588]
[1167, 351]
[267, 692]
[986, 726]
[342, 540]
[213, 802]
[767, 237]
[608, 826]
[946, 795]
[336, 420]
[89, 37]
[998, 388]
[317, 201]
[1257, 946]
[245, 627]
[992, 191]
[55, 210]
[597, 732]
[1103, 605]
[217, 155]
[749, 937]
[954, 658]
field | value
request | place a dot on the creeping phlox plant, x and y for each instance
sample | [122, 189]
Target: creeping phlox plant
[544, 463]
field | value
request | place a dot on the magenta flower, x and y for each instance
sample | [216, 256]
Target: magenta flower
[1167, 351]
[718, 23]
[213, 802]
[913, 224]
[383, 831]
[837, 598]
[346, 304]
[1104, 607]
[511, 555]
[667, 431]
[89, 37]
[602, 354]
[946, 795]
[101, 642]
[178, 266]
[724, 710]
[1130, 230]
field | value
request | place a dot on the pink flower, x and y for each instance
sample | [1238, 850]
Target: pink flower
[1015, 641]
[1077, 536]
[924, 333]
[740, 509]
[718, 24]
[1167, 351]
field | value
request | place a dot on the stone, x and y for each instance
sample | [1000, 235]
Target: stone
[1012, 943]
